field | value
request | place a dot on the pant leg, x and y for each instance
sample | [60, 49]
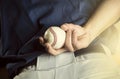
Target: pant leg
[50, 67]
[96, 66]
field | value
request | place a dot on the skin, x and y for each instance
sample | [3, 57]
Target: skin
[79, 37]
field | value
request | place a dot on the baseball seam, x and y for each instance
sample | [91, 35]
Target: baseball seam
[54, 35]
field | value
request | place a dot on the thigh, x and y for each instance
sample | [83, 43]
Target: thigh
[96, 66]
[50, 67]
[27, 73]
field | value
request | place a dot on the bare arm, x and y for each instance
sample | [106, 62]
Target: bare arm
[106, 14]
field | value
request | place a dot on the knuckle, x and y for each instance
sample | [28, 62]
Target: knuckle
[62, 26]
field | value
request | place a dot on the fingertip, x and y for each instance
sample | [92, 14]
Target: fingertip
[41, 40]
[64, 27]
[40, 37]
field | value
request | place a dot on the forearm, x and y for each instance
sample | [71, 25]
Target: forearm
[106, 14]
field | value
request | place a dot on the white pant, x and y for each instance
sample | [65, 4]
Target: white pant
[93, 65]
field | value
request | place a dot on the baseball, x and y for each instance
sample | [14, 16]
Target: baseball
[55, 36]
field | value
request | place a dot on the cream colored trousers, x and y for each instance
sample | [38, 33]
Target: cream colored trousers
[91, 65]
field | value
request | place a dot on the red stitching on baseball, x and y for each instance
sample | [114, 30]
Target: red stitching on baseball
[55, 36]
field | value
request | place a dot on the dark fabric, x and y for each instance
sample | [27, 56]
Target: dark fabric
[23, 21]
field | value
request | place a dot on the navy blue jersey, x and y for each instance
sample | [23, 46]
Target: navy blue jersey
[23, 21]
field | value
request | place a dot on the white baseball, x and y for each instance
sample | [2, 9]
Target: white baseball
[55, 36]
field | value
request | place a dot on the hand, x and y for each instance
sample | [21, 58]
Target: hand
[49, 48]
[77, 37]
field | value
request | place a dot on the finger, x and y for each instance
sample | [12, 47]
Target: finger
[75, 40]
[78, 26]
[41, 40]
[64, 27]
[68, 42]
[61, 50]
[70, 26]
[52, 51]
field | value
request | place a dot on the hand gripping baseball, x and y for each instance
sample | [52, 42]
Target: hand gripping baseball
[53, 40]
